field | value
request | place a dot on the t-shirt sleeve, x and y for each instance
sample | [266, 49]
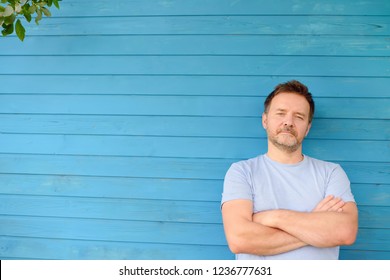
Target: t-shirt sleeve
[236, 184]
[339, 185]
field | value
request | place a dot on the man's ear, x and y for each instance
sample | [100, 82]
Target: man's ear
[264, 120]
[308, 129]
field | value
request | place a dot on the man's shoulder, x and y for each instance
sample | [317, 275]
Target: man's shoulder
[322, 163]
[248, 163]
[246, 166]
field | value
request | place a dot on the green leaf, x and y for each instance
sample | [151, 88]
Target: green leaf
[8, 29]
[20, 31]
[32, 9]
[11, 9]
[27, 16]
[39, 16]
[10, 19]
[55, 2]
[46, 12]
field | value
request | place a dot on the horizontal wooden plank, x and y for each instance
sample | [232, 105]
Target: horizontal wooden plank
[189, 85]
[152, 105]
[215, 7]
[379, 194]
[200, 45]
[135, 146]
[110, 230]
[37, 248]
[350, 129]
[112, 208]
[149, 188]
[346, 254]
[183, 126]
[372, 240]
[364, 173]
[200, 65]
[190, 147]
[64, 249]
[135, 105]
[337, 150]
[214, 25]
[374, 217]
[129, 146]
[145, 210]
[148, 232]
[163, 168]
[112, 187]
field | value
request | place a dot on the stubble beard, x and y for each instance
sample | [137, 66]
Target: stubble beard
[287, 143]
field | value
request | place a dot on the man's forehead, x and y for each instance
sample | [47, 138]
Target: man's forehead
[287, 97]
[288, 100]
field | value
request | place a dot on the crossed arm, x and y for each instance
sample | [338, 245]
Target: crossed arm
[332, 223]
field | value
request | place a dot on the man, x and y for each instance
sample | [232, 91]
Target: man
[283, 204]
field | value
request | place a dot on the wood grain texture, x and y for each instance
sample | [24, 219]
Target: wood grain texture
[258, 86]
[216, 25]
[26, 248]
[183, 126]
[190, 105]
[216, 7]
[181, 168]
[119, 120]
[204, 65]
[179, 147]
[201, 45]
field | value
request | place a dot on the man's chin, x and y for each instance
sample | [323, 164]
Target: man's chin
[286, 133]
[287, 145]
[287, 139]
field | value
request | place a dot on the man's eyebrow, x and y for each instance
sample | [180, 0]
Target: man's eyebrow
[296, 113]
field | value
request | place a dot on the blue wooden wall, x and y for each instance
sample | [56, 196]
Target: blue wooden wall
[119, 119]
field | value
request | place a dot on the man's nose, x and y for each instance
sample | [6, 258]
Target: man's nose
[288, 121]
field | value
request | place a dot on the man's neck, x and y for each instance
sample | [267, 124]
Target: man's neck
[285, 157]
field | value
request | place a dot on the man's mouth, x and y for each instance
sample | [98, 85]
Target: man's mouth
[287, 131]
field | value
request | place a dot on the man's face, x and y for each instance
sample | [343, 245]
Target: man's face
[287, 121]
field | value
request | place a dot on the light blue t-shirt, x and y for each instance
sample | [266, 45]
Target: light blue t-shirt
[300, 187]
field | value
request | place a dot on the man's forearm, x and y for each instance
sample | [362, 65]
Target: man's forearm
[257, 239]
[246, 236]
[319, 229]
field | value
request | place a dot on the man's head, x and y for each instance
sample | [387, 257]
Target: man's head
[287, 117]
[292, 87]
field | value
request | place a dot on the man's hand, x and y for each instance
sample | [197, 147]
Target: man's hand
[316, 228]
[330, 203]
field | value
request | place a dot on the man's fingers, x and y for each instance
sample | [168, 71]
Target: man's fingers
[323, 202]
[330, 203]
[338, 204]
